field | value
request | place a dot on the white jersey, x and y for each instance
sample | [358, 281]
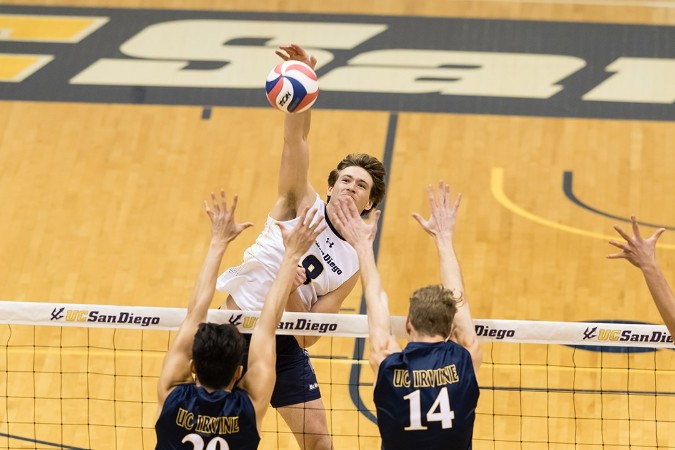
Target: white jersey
[328, 263]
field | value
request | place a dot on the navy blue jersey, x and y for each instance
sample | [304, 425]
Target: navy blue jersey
[426, 397]
[194, 419]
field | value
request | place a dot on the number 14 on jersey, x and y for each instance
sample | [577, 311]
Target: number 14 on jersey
[438, 412]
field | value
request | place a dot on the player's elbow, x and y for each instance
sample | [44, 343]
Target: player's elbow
[306, 341]
[380, 347]
[377, 348]
[470, 342]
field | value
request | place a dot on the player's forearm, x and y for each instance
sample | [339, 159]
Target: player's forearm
[262, 348]
[321, 306]
[451, 274]
[293, 172]
[204, 289]
[376, 299]
[296, 126]
[295, 303]
[277, 297]
[661, 293]
[379, 320]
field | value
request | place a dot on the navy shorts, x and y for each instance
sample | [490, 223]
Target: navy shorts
[296, 380]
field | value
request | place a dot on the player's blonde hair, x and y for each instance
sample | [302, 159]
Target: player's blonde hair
[432, 309]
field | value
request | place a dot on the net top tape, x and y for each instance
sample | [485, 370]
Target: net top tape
[341, 325]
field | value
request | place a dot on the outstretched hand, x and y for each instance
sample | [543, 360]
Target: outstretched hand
[351, 226]
[223, 227]
[638, 251]
[294, 52]
[301, 237]
[441, 221]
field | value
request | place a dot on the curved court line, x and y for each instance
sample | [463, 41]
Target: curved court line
[497, 188]
[567, 189]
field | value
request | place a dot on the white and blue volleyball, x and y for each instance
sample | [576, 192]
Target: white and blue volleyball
[292, 87]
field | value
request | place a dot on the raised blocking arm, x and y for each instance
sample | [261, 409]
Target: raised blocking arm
[441, 226]
[361, 236]
[176, 365]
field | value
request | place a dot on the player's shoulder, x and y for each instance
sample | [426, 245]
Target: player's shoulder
[319, 204]
[178, 395]
[182, 390]
[239, 391]
[289, 215]
[313, 201]
[392, 359]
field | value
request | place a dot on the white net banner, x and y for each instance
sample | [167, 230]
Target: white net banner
[156, 318]
[342, 325]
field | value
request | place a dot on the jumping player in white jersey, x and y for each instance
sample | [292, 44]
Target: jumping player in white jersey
[329, 269]
[425, 394]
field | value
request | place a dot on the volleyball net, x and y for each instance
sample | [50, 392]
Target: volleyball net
[81, 376]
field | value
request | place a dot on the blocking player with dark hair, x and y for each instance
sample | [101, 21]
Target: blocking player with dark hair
[198, 403]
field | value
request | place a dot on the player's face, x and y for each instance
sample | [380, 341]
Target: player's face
[354, 182]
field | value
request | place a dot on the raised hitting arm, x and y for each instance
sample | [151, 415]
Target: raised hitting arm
[294, 190]
[176, 365]
[361, 235]
[642, 254]
[261, 375]
[441, 226]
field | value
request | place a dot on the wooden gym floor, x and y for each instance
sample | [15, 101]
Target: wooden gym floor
[102, 205]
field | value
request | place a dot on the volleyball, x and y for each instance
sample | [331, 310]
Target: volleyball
[292, 87]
